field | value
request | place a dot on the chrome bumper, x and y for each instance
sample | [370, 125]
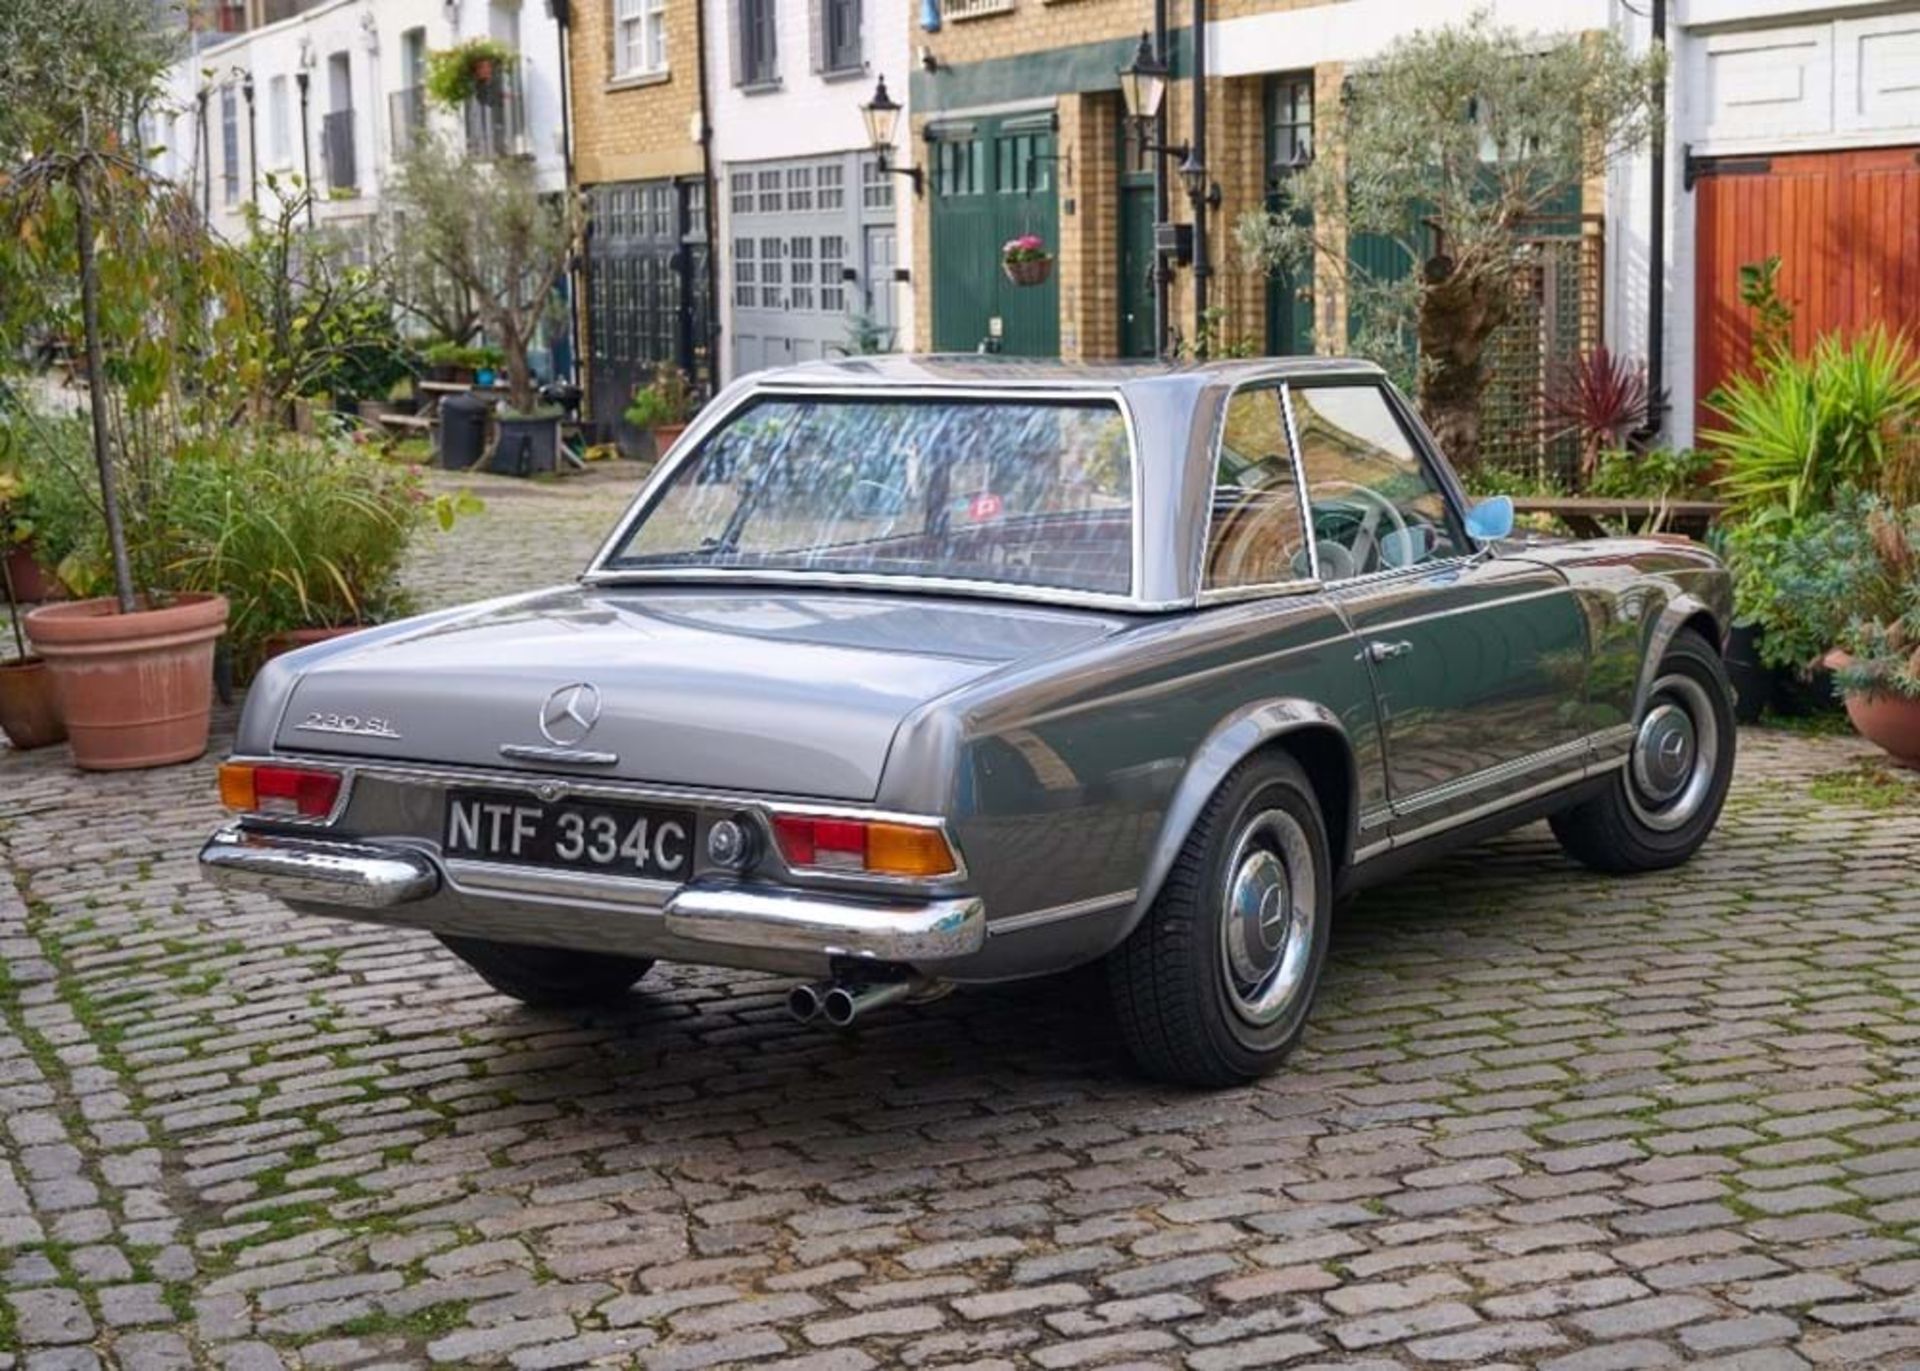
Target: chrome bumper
[370, 878]
[786, 922]
[356, 875]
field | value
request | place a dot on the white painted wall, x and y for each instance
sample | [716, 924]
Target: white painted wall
[808, 115]
[369, 31]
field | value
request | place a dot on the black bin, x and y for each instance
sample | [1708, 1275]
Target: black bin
[463, 431]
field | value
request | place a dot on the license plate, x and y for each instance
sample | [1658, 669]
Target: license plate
[577, 835]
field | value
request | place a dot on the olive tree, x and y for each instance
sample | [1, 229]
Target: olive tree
[486, 224]
[76, 80]
[1448, 146]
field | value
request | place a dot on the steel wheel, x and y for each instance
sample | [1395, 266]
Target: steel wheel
[1267, 918]
[1670, 772]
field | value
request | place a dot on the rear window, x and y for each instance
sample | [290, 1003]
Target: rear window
[1021, 492]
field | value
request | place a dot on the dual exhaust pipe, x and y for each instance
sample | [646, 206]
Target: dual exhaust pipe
[840, 1004]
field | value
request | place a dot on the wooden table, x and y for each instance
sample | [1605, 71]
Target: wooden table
[1592, 516]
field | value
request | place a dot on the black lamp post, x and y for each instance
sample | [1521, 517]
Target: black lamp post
[301, 79]
[253, 140]
[882, 115]
[1143, 87]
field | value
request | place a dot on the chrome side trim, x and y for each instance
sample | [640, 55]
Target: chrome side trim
[1467, 816]
[1038, 918]
[1493, 775]
[567, 756]
[742, 917]
[355, 875]
[1561, 589]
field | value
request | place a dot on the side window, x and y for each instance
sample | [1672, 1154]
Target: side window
[1256, 536]
[1376, 505]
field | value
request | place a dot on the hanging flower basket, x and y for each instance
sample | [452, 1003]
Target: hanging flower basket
[1026, 261]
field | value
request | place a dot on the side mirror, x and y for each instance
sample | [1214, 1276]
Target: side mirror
[1490, 519]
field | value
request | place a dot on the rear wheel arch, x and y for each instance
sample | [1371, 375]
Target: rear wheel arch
[1309, 733]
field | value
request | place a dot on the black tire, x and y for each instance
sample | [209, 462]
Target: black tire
[1634, 824]
[1177, 989]
[548, 977]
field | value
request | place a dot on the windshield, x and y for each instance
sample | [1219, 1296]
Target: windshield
[1025, 492]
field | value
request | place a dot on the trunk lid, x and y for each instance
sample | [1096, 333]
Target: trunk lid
[794, 694]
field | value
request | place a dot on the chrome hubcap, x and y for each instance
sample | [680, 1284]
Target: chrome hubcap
[1266, 924]
[1674, 754]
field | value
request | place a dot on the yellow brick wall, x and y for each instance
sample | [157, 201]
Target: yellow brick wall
[634, 131]
[1089, 265]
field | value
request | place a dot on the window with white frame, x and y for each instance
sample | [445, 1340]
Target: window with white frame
[800, 190]
[279, 141]
[876, 186]
[639, 38]
[800, 274]
[833, 261]
[740, 188]
[772, 272]
[770, 198]
[744, 287]
[831, 179]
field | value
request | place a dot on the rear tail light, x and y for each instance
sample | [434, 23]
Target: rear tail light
[863, 848]
[286, 791]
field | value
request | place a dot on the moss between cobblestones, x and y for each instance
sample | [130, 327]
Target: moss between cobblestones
[434, 1321]
[1871, 785]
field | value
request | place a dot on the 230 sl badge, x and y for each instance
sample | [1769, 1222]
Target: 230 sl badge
[354, 724]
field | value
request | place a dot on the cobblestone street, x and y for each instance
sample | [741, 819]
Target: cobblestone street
[1540, 1118]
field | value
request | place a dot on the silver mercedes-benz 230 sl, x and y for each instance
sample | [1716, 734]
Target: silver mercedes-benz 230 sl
[901, 673]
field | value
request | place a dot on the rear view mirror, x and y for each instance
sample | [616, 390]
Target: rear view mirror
[1491, 519]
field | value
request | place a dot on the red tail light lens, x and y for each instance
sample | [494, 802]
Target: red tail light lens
[294, 792]
[863, 848]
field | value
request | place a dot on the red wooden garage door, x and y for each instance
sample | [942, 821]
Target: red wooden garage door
[1846, 227]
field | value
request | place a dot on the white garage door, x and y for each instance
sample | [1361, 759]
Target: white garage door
[1801, 85]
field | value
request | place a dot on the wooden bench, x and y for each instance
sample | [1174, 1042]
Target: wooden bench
[418, 423]
[1589, 516]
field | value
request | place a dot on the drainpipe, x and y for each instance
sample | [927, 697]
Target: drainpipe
[562, 19]
[1162, 209]
[1202, 262]
[253, 142]
[1657, 245]
[713, 200]
[206, 159]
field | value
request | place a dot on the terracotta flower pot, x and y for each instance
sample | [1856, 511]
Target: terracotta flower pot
[292, 639]
[1890, 722]
[33, 582]
[665, 436]
[134, 689]
[29, 715]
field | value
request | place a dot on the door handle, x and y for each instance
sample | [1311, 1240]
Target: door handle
[1386, 652]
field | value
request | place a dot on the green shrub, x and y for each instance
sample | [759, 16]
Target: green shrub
[1796, 432]
[1662, 474]
[451, 77]
[295, 532]
[666, 399]
[1801, 581]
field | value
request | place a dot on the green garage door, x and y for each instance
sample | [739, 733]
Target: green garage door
[992, 180]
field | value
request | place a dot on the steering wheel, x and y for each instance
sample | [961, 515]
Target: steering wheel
[1365, 540]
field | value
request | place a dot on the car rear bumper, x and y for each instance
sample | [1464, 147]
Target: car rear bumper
[726, 924]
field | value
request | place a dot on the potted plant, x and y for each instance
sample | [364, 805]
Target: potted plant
[506, 242]
[29, 715]
[1876, 658]
[456, 74]
[663, 407]
[1026, 260]
[305, 537]
[91, 231]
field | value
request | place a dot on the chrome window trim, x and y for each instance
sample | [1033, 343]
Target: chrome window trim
[1424, 453]
[761, 807]
[1205, 594]
[600, 571]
